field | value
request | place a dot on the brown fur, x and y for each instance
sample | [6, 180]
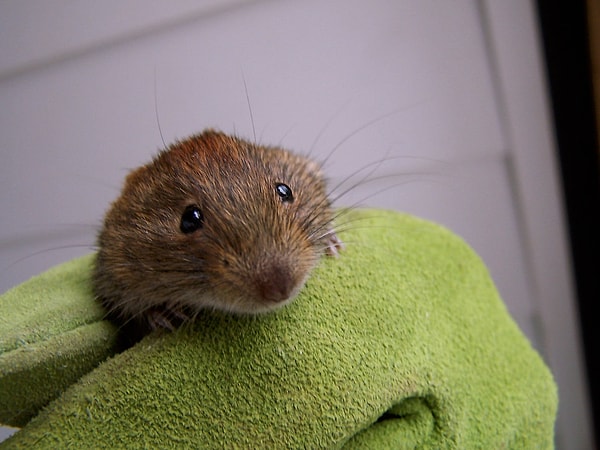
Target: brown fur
[253, 252]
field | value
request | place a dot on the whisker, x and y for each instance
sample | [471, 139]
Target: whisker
[323, 129]
[47, 250]
[359, 130]
[249, 106]
[156, 112]
[414, 177]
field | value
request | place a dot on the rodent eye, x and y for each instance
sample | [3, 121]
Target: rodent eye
[191, 219]
[285, 192]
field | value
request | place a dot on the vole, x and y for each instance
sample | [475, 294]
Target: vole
[213, 221]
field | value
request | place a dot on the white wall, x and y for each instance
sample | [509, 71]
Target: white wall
[453, 91]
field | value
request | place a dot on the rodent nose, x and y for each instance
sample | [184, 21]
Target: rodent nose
[275, 283]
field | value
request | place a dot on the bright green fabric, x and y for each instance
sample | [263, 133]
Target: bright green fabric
[402, 342]
[51, 334]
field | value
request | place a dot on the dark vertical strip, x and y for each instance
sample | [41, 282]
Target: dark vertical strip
[565, 38]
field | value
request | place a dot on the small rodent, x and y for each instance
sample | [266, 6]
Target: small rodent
[213, 221]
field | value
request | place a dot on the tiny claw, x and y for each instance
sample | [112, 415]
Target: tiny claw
[157, 320]
[334, 245]
[166, 319]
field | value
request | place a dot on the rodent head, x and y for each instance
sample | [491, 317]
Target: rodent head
[213, 221]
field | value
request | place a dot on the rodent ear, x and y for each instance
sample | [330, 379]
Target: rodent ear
[314, 167]
[211, 132]
[135, 177]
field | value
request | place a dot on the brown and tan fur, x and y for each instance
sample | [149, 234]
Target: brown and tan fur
[252, 253]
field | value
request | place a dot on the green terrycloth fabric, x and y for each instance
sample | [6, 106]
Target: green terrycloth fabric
[51, 333]
[402, 342]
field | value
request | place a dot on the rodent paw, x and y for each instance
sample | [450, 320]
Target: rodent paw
[168, 319]
[334, 245]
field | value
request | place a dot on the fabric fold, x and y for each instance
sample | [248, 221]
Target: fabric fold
[402, 342]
